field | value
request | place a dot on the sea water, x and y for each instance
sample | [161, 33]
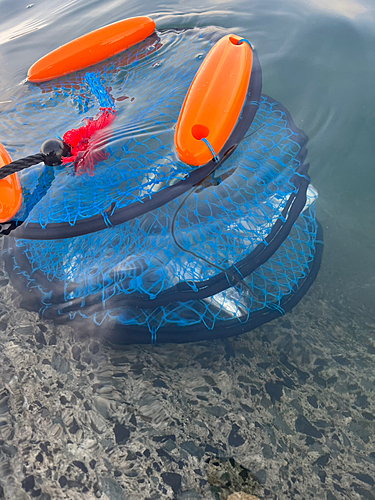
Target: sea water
[285, 411]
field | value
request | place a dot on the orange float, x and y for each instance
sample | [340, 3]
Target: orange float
[91, 48]
[10, 190]
[214, 100]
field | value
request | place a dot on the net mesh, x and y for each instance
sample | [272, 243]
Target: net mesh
[146, 85]
[83, 281]
[127, 275]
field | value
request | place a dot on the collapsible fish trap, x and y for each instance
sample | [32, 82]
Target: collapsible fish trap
[167, 221]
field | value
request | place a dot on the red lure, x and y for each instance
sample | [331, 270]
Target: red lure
[84, 142]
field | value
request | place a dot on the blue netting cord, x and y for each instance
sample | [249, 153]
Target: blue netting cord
[153, 336]
[214, 155]
[106, 219]
[277, 308]
[238, 272]
[96, 87]
[246, 41]
[303, 176]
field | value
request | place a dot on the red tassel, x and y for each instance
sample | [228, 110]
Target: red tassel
[84, 140]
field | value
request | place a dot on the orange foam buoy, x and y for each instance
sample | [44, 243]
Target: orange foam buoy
[214, 100]
[10, 190]
[91, 48]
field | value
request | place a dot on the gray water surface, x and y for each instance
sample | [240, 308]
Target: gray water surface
[292, 402]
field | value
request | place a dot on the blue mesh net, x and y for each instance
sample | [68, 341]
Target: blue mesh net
[231, 253]
[146, 85]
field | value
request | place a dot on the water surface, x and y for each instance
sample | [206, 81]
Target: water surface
[293, 401]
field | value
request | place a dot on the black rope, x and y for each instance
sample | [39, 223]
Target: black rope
[7, 227]
[21, 164]
[16, 166]
[51, 153]
[13, 167]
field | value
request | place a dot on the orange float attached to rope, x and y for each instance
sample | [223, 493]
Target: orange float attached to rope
[10, 190]
[91, 48]
[214, 101]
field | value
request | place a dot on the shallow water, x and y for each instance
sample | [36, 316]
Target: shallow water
[293, 401]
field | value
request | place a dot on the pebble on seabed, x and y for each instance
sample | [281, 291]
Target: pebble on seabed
[280, 409]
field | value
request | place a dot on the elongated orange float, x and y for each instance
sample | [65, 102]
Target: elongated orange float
[214, 100]
[10, 190]
[91, 48]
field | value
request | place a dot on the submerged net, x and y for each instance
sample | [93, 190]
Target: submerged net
[236, 250]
